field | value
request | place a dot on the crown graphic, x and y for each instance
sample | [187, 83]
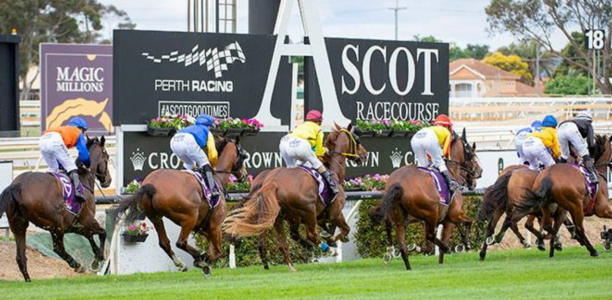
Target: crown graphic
[138, 159]
[396, 158]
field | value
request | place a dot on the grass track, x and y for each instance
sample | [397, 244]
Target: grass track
[514, 274]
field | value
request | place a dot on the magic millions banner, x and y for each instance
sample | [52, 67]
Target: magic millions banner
[76, 80]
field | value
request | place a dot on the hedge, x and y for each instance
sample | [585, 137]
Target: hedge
[370, 239]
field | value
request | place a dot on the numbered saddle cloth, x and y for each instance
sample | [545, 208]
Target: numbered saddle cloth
[212, 202]
[440, 184]
[592, 188]
[73, 205]
[325, 193]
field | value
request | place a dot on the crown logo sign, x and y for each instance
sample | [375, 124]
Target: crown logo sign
[138, 159]
[396, 158]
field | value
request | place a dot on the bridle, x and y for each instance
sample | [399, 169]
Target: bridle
[240, 157]
[467, 156]
[353, 146]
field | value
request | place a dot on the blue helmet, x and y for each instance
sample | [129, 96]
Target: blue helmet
[536, 124]
[549, 121]
[205, 120]
[78, 122]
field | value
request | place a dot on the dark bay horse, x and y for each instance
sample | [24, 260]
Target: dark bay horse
[290, 194]
[177, 196]
[411, 195]
[38, 198]
[563, 187]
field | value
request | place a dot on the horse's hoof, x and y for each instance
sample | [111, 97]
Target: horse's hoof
[459, 248]
[559, 247]
[490, 241]
[482, 256]
[499, 238]
[607, 247]
[182, 268]
[292, 269]
[80, 269]
[595, 253]
[324, 234]
[412, 247]
[387, 258]
[28, 280]
[266, 267]
[345, 239]
[207, 270]
[95, 265]
[526, 245]
[541, 246]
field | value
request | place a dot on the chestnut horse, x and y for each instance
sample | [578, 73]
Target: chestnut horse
[411, 195]
[177, 195]
[38, 198]
[565, 186]
[290, 194]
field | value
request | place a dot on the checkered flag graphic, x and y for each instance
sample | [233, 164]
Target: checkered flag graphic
[213, 58]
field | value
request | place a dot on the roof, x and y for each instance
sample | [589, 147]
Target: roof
[481, 69]
[524, 89]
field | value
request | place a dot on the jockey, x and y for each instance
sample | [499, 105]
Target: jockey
[187, 144]
[435, 141]
[573, 132]
[305, 144]
[54, 145]
[520, 138]
[539, 145]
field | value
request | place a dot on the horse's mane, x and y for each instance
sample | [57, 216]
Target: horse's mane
[599, 149]
[330, 141]
[220, 144]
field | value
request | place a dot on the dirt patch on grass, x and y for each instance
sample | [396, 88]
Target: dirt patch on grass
[39, 266]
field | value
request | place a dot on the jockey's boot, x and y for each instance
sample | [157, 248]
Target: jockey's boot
[562, 160]
[210, 180]
[76, 182]
[452, 185]
[588, 164]
[330, 180]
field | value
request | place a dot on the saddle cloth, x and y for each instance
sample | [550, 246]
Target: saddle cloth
[440, 184]
[591, 187]
[212, 202]
[325, 193]
[73, 205]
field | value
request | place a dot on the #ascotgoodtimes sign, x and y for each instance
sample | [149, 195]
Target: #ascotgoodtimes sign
[76, 80]
[377, 79]
[224, 75]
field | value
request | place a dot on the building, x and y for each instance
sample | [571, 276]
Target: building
[472, 78]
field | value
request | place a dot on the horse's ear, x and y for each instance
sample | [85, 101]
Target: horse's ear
[338, 127]
[237, 140]
[102, 141]
[464, 135]
[89, 141]
[474, 146]
[350, 127]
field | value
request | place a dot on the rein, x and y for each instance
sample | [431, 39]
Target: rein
[353, 146]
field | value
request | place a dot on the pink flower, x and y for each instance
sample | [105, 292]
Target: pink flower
[414, 122]
[377, 177]
[232, 178]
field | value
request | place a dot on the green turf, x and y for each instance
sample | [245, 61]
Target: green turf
[515, 274]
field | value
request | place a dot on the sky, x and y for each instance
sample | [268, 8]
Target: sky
[455, 21]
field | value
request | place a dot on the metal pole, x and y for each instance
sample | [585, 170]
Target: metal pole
[396, 9]
[537, 72]
[217, 15]
[195, 15]
[207, 15]
[188, 15]
[202, 15]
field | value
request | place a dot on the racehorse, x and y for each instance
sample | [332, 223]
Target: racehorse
[565, 186]
[38, 198]
[291, 194]
[411, 195]
[178, 196]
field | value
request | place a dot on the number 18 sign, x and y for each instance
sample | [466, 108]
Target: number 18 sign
[594, 39]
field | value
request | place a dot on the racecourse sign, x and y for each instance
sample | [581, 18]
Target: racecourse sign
[377, 79]
[193, 73]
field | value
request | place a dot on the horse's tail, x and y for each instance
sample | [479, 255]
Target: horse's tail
[380, 212]
[130, 204]
[535, 199]
[249, 197]
[10, 196]
[256, 215]
[495, 197]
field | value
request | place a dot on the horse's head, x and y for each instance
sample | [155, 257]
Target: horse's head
[602, 153]
[464, 161]
[99, 160]
[344, 142]
[231, 157]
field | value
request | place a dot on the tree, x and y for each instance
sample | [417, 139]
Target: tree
[541, 19]
[455, 52]
[49, 21]
[510, 63]
[565, 68]
[568, 85]
[476, 51]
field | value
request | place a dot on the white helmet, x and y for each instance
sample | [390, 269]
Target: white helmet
[584, 115]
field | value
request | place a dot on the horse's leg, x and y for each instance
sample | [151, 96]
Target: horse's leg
[558, 221]
[537, 233]
[430, 228]
[294, 232]
[93, 227]
[578, 218]
[58, 247]
[164, 242]
[400, 230]
[187, 227]
[19, 227]
[507, 224]
[490, 231]
[339, 221]
[447, 230]
[214, 245]
[261, 245]
[517, 232]
[282, 243]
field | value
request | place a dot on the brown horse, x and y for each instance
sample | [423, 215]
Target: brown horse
[290, 194]
[563, 187]
[411, 195]
[177, 196]
[38, 198]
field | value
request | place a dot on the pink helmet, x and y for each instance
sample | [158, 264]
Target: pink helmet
[314, 115]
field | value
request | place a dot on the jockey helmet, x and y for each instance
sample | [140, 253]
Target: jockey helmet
[583, 115]
[536, 124]
[78, 122]
[444, 121]
[315, 116]
[549, 121]
[205, 120]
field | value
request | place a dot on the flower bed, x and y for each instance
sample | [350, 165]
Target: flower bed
[389, 128]
[136, 232]
[235, 185]
[237, 126]
[168, 124]
[366, 183]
